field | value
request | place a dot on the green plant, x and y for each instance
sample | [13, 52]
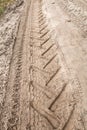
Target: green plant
[3, 5]
[1, 10]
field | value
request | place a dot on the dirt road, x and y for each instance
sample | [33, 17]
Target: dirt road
[42, 93]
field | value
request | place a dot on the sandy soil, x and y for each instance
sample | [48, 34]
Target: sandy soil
[44, 79]
[77, 10]
[72, 40]
[8, 30]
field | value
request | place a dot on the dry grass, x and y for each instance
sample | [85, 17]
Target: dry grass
[3, 5]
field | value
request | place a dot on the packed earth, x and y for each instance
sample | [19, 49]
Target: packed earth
[43, 65]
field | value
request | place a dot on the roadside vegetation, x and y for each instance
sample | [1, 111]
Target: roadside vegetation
[3, 5]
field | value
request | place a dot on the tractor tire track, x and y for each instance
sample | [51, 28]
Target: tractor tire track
[41, 97]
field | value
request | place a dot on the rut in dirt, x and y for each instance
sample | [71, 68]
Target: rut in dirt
[39, 95]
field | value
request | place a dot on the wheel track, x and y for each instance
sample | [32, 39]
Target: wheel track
[42, 26]
[14, 119]
[37, 110]
[10, 115]
[42, 112]
[49, 61]
[42, 99]
[47, 50]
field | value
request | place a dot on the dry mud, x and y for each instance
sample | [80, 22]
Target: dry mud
[39, 91]
[77, 10]
[8, 30]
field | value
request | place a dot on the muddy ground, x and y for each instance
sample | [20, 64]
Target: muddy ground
[43, 66]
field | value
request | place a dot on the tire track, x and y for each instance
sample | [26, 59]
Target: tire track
[39, 106]
[49, 61]
[10, 117]
[41, 97]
